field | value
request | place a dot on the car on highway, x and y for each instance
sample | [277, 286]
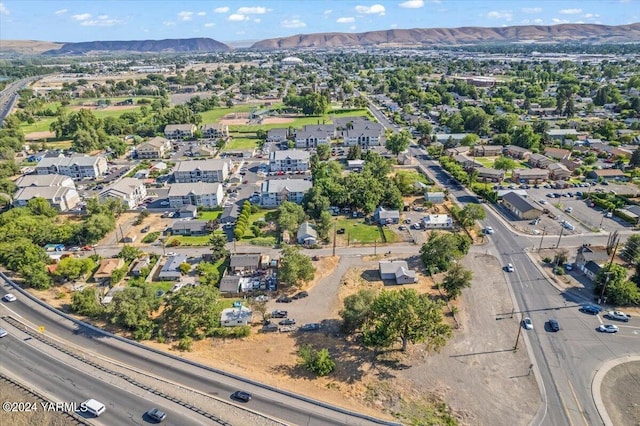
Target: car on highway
[608, 328]
[157, 415]
[9, 297]
[553, 325]
[288, 321]
[527, 323]
[3, 332]
[509, 268]
[590, 309]
[617, 315]
[488, 230]
[241, 396]
[279, 313]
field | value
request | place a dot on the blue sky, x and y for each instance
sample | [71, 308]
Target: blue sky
[232, 20]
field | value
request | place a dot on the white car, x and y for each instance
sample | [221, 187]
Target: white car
[543, 201]
[617, 315]
[3, 332]
[608, 328]
[510, 268]
[172, 253]
[488, 230]
[527, 323]
[9, 297]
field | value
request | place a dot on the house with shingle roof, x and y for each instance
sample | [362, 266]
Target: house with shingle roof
[520, 206]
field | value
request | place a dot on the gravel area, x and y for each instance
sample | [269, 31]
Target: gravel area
[621, 393]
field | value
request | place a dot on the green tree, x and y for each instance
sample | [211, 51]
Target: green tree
[398, 142]
[218, 244]
[132, 309]
[36, 276]
[356, 311]
[85, 302]
[441, 249]
[470, 213]
[295, 267]
[504, 123]
[425, 129]
[290, 216]
[323, 151]
[40, 206]
[184, 268]
[504, 163]
[319, 362]
[354, 153]
[406, 316]
[192, 312]
[129, 253]
[260, 306]
[71, 268]
[525, 137]
[117, 275]
[323, 225]
[456, 279]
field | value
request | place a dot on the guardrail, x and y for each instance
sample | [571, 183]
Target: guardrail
[196, 364]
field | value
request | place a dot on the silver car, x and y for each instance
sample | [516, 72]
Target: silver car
[617, 315]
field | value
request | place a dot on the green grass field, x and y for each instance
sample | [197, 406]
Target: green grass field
[241, 143]
[486, 161]
[359, 232]
[209, 215]
[217, 114]
[199, 240]
[43, 124]
[299, 121]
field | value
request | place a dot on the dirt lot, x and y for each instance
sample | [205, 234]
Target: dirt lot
[35, 418]
[623, 407]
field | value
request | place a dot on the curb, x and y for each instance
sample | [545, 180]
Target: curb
[596, 385]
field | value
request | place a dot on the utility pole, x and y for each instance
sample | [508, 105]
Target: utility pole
[542, 238]
[602, 220]
[515, 347]
[561, 232]
[334, 239]
[608, 274]
[375, 247]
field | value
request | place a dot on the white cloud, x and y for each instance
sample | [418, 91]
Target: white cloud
[236, 17]
[570, 11]
[101, 21]
[258, 10]
[202, 13]
[328, 12]
[346, 20]
[3, 9]
[81, 17]
[221, 9]
[559, 21]
[60, 12]
[352, 28]
[412, 4]
[292, 23]
[500, 14]
[376, 9]
[393, 26]
[538, 21]
[591, 15]
[257, 20]
[185, 16]
[209, 25]
[169, 24]
[531, 9]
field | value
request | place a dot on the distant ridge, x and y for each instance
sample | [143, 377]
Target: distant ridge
[584, 33]
[141, 46]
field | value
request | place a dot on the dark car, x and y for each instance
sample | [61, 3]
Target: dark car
[553, 325]
[287, 321]
[279, 314]
[310, 327]
[590, 309]
[241, 396]
[157, 415]
[283, 299]
[301, 295]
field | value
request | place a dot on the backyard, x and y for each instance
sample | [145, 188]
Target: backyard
[356, 231]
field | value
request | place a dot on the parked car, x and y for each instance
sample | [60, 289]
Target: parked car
[617, 315]
[608, 328]
[527, 323]
[279, 314]
[9, 297]
[310, 327]
[157, 415]
[3, 332]
[608, 215]
[568, 210]
[283, 299]
[553, 325]
[488, 230]
[171, 253]
[300, 295]
[241, 396]
[590, 309]
[287, 321]
[568, 267]
[509, 268]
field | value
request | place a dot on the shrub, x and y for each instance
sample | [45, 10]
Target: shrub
[231, 332]
[318, 362]
[185, 344]
[547, 259]
[151, 237]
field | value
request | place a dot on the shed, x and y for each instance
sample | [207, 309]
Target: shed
[434, 197]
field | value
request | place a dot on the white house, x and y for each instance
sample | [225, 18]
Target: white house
[306, 234]
[212, 170]
[201, 194]
[437, 221]
[398, 271]
[274, 191]
[289, 161]
[132, 191]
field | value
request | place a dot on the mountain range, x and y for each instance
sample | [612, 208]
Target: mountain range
[417, 37]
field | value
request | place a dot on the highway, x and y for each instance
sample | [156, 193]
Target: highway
[287, 407]
[9, 96]
[64, 383]
[566, 361]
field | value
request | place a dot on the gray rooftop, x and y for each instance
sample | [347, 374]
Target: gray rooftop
[291, 185]
[42, 180]
[293, 154]
[190, 166]
[198, 188]
[520, 203]
[79, 160]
